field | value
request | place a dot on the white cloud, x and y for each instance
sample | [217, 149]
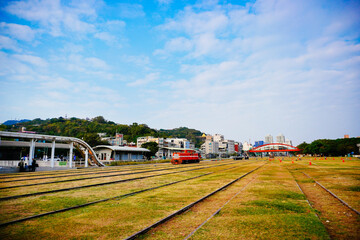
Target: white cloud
[96, 63]
[151, 77]
[55, 83]
[127, 10]
[76, 62]
[197, 23]
[165, 2]
[8, 43]
[206, 44]
[21, 32]
[141, 61]
[109, 32]
[272, 60]
[12, 69]
[275, 27]
[106, 37]
[179, 44]
[34, 60]
[55, 17]
[73, 48]
[115, 25]
[233, 65]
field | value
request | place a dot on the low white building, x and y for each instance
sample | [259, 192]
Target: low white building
[119, 153]
[141, 140]
[246, 146]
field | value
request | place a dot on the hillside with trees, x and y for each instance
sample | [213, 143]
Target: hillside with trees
[191, 134]
[88, 129]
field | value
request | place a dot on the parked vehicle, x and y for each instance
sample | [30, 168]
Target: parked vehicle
[187, 156]
[239, 157]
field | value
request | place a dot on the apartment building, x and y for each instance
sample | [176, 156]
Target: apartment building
[118, 140]
[167, 145]
[211, 147]
[280, 138]
[230, 146]
[141, 140]
[269, 139]
[218, 144]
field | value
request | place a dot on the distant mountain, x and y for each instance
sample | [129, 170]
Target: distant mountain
[13, 122]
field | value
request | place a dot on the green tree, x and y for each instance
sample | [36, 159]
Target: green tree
[93, 139]
[152, 146]
[99, 119]
[302, 147]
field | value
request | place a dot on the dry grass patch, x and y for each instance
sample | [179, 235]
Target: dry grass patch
[14, 209]
[340, 221]
[182, 225]
[268, 209]
[124, 216]
[341, 179]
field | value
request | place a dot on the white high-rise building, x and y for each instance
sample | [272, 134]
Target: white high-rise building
[269, 139]
[280, 138]
[218, 138]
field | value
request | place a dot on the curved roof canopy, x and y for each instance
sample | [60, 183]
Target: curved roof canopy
[122, 149]
[275, 147]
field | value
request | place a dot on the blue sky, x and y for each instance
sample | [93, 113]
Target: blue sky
[244, 69]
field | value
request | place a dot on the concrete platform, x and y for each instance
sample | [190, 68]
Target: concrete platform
[11, 166]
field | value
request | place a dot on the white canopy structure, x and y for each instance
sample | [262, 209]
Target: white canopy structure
[90, 156]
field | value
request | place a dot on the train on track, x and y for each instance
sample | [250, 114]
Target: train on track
[186, 156]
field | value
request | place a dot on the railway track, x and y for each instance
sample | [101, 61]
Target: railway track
[333, 195]
[267, 198]
[77, 174]
[301, 190]
[218, 210]
[104, 183]
[73, 172]
[48, 173]
[186, 208]
[339, 218]
[107, 199]
[87, 178]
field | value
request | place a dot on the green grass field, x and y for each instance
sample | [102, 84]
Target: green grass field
[269, 204]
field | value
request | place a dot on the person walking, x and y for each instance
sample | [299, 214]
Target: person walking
[33, 165]
[21, 165]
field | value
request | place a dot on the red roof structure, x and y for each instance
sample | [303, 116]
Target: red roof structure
[275, 147]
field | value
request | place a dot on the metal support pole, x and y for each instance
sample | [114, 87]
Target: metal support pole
[52, 153]
[32, 150]
[86, 157]
[71, 154]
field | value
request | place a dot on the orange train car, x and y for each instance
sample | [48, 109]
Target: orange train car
[187, 156]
